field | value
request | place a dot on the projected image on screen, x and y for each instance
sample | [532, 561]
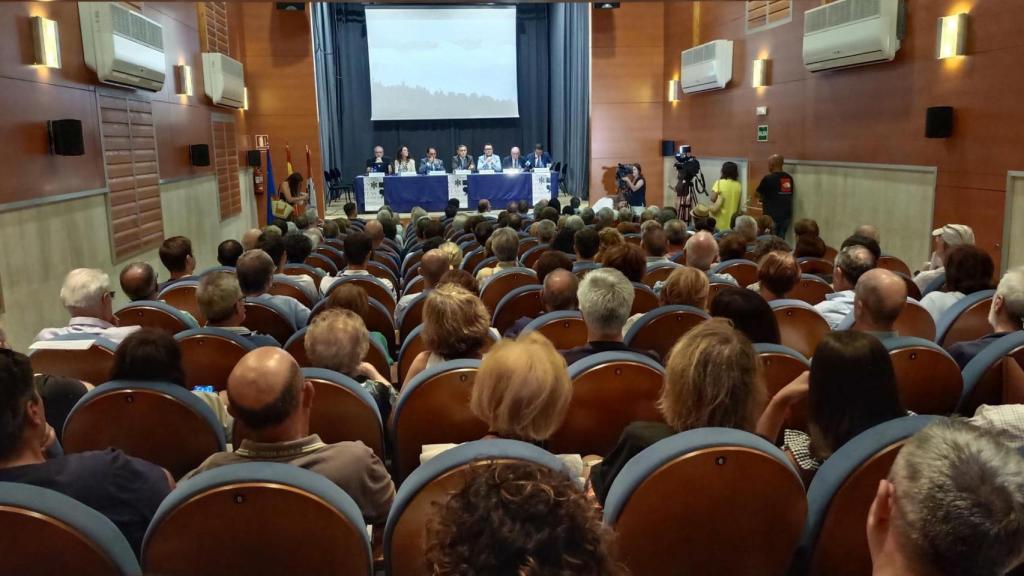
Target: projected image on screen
[442, 63]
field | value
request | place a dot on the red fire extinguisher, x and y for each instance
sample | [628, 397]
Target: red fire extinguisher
[259, 183]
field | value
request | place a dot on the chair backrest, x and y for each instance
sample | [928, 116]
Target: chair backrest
[984, 374]
[893, 264]
[214, 269]
[379, 318]
[412, 272]
[965, 320]
[521, 302]
[644, 299]
[781, 365]
[374, 288]
[182, 295]
[817, 266]
[333, 254]
[217, 523]
[413, 315]
[414, 286]
[743, 270]
[632, 238]
[412, 258]
[266, 318]
[487, 262]
[317, 274]
[433, 409]
[658, 272]
[801, 327]
[913, 291]
[431, 484]
[565, 329]
[927, 377]
[936, 284]
[810, 289]
[580, 269]
[834, 542]
[679, 258]
[503, 282]
[155, 314]
[379, 270]
[412, 345]
[344, 411]
[714, 288]
[610, 390]
[525, 244]
[323, 263]
[386, 258]
[160, 422]
[913, 321]
[285, 286]
[375, 354]
[472, 259]
[830, 254]
[531, 256]
[661, 328]
[714, 505]
[91, 365]
[46, 532]
[208, 355]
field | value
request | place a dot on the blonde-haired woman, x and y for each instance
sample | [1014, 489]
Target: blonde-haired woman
[455, 325]
[608, 238]
[453, 252]
[685, 286]
[711, 379]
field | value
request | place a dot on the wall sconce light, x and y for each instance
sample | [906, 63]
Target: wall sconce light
[45, 42]
[673, 90]
[245, 98]
[759, 78]
[183, 79]
[952, 36]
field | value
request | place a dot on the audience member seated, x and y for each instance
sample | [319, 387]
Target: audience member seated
[953, 504]
[222, 304]
[605, 299]
[777, 274]
[453, 252]
[879, 299]
[806, 227]
[585, 244]
[770, 244]
[1005, 315]
[228, 252]
[563, 241]
[711, 379]
[354, 298]
[126, 490]
[455, 325]
[138, 281]
[375, 230]
[851, 264]
[702, 254]
[654, 244]
[270, 400]
[546, 231]
[968, 270]
[870, 243]
[433, 265]
[730, 247]
[943, 240]
[765, 225]
[519, 518]
[504, 244]
[87, 297]
[273, 245]
[685, 286]
[358, 251]
[255, 273]
[850, 388]
[331, 230]
[748, 312]
[549, 262]
[298, 247]
[337, 340]
[869, 231]
[608, 238]
[628, 259]
[176, 256]
[462, 279]
[675, 237]
[809, 246]
[746, 227]
[559, 293]
[250, 240]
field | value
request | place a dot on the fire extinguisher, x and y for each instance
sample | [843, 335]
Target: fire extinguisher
[259, 183]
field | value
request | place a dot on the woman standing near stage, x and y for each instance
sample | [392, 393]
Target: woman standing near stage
[291, 192]
[403, 161]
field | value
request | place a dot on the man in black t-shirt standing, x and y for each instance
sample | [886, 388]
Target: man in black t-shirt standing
[776, 191]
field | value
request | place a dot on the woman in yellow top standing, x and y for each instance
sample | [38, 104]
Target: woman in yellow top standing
[725, 195]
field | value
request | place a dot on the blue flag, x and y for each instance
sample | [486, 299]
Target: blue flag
[271, 192]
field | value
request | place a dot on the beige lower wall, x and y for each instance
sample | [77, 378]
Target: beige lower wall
[1013, 227]
[40, 244]
[711, 169]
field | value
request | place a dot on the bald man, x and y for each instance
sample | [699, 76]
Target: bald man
[879, 299]
[702, 254]
[433, 265]
[251, 238]
[869, 231]
[558, 294]
[375, 231]
[776, 192]
[271, 403]
[138, 281]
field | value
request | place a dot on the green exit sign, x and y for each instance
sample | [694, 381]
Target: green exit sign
[762, 133]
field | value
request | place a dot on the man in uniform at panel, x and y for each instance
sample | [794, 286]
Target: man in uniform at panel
[488, 161]
[514, 160]
[430, 163]
[462, 160]
[379, 162]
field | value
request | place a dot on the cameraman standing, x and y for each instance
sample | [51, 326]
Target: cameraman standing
[636, 195]
[776, 191]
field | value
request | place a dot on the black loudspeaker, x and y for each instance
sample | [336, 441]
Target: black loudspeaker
[199, 155]
[66, 137]
[938, 122]
[252, 158]
[668, 147]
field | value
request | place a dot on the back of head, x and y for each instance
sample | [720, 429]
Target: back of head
[175, 252]
[505, 244]
[585, 243]
[301, 222]
[563, 241]
[809, 246]
[675, 232]
[685, 286]
[297, 247]
[84, 288]
[273, 246]
[255, 271]
[250, 238]
[483, 206]
[522, 390]
[515, 221]
[546, 231]
[701, 251]
[462, 279]
[731, 247]
[882, 296]
[806, 227]
[606, 298]
[854, 261]
[228, 252]
[747, 227]
[351, 297]
[482, 231]
[560, 287]
[606, 216]
[452, 251]
[765, 224]
[769, 244]
[350, 209]
[968, 269]
[748, 312]
[550, 261]
[653, 241]
[587, 215]
[16, 391]
[218, 296]
[357, 248]
[337, 340]
[264, 391]
[138, 281]
[549, 213]
[433, 265]
[959, 500]
[149, 355]
[1011, 290]
[455, 323]
[450, 211]
[711, 379]
[607, 238]
[864, 241]
[869, 231]
[852, 388]
[778, 272]
[628, 259]
[375, 230]
[331, 229]
[433, 229]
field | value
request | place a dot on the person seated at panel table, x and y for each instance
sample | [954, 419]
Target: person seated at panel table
[514, 160]
[462, 160]
[404, 161]
[431, 162]
[488, 161]
[539, 158]
[379, 162]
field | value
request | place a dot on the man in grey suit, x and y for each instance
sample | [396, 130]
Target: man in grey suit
[462, 160]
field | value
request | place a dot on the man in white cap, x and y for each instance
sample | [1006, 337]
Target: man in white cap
[943, 239]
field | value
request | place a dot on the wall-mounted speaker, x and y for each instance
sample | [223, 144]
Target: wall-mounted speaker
[199, 154]
[938, 122]
[668, 147]
[252, 158]
[66, 137]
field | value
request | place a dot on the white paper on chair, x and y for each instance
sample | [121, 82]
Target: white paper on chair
[541, 186]
[83, 344]
[373, 192]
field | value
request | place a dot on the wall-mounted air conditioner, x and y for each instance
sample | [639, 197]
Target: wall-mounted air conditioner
[851, 33]
[707, 67]
[122, 46]
[223, 80]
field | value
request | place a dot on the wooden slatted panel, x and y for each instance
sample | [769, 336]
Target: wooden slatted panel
[762, 13]
[225, 161]
[129, 151]
[213, 27]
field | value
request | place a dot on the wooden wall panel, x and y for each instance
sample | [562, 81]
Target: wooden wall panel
[225, 161]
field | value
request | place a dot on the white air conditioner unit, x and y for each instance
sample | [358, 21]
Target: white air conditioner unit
[707, 67]
[223, 80]
[122, 46]
[851, 33]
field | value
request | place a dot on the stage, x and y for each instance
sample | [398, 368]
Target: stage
[432, 192]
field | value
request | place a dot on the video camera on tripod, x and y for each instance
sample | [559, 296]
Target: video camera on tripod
[689, 181]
